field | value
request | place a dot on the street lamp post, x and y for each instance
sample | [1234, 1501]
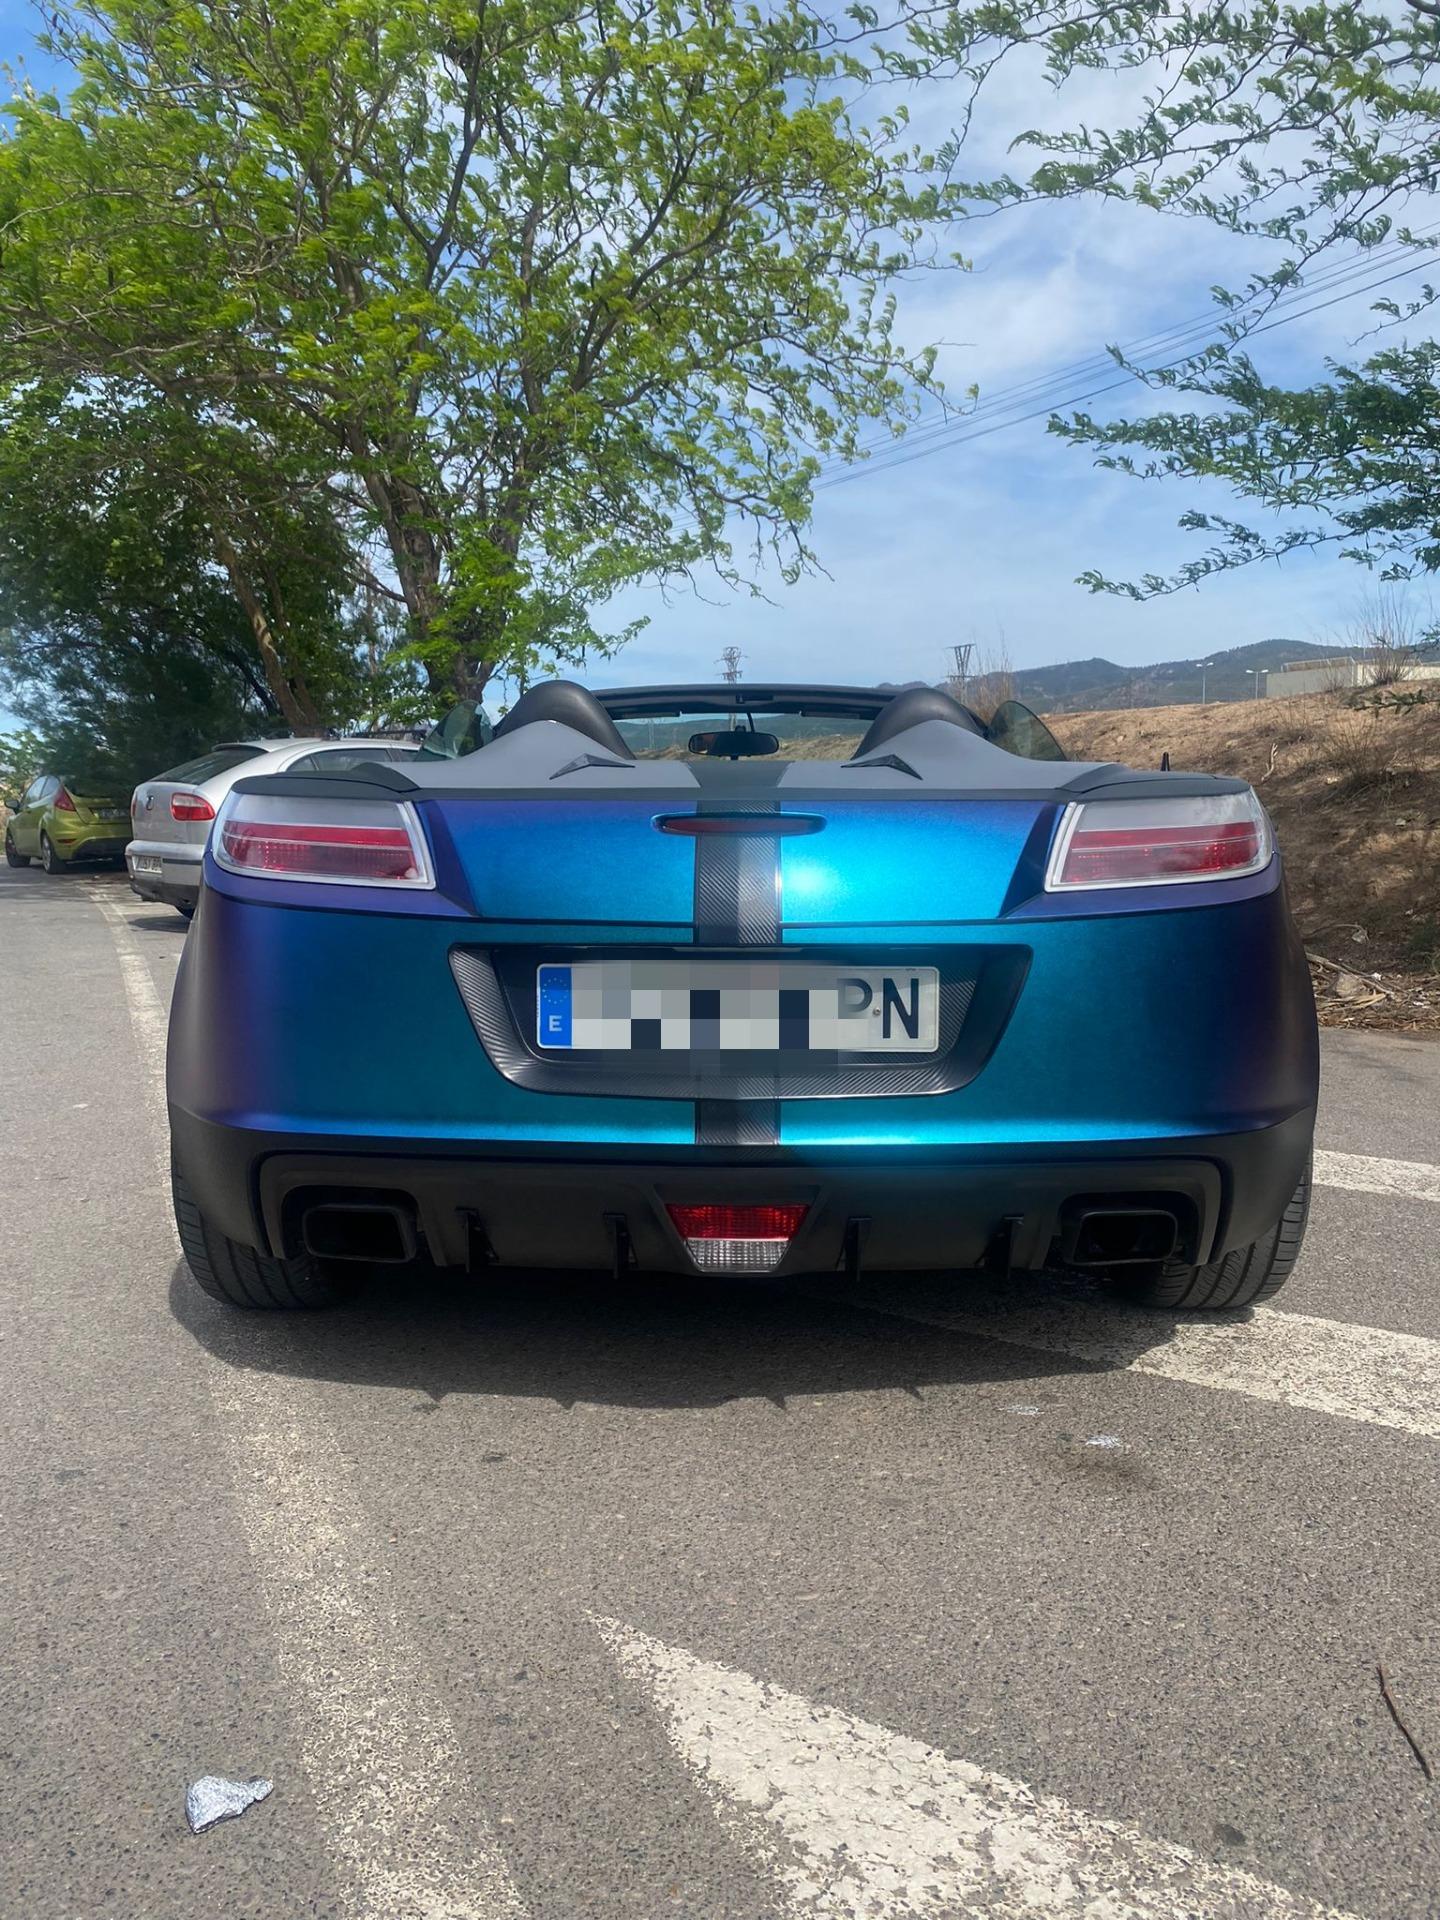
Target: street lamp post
[1255, 673]
[1203, 665]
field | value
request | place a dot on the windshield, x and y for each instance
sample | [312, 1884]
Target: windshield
[707, 735]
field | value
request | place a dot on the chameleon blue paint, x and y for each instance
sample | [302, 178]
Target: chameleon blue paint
[955, 861]
[324, 1021]
[1130, 1026]
[599, 859]
[1191, 1022]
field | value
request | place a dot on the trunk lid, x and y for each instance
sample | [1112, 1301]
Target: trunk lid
[93, 804]
[869, 862]
[209, 776]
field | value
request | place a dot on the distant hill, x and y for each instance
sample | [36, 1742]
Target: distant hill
[1088, 686]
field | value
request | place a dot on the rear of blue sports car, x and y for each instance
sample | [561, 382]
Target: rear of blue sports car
[611, 993]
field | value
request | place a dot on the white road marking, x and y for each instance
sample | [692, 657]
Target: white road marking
[1327, 1366]
[859, 1823]
[385, 1767]
[1361, 1173]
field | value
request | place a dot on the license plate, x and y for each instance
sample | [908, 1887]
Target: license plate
[736, 1006]
[144, 863]
[111, 813]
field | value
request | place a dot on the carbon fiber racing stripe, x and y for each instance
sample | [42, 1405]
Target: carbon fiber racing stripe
[737, 904]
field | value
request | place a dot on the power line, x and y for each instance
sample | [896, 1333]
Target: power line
[974, 427]
[1165, 340]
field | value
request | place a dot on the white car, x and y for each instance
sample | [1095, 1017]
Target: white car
[171, 815]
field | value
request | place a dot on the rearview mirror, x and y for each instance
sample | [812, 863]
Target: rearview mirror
[739, 743]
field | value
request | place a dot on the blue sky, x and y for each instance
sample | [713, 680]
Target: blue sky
[983, 541]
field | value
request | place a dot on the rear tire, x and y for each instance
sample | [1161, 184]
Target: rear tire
[49, 859]
[13, 855]
[242, 1276]
[1240, 1278]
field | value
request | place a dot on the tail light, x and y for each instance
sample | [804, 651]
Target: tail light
[354, 843]
[726, 1239]
[62, 802]
[1149, 843]
[190, 806]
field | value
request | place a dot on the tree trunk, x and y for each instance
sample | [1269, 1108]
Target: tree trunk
[413, 551]
[298, 710]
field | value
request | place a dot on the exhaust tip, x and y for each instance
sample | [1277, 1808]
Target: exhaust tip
[1119, 1236]
[381, 1234]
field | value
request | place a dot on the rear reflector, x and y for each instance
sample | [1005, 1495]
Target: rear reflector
[1146, 843]
[355, 843]
[190, 806]
[726, 1239]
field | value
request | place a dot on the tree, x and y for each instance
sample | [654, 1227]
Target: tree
[543, 296]
[22, 756]
[1314, 126]
[119, 623]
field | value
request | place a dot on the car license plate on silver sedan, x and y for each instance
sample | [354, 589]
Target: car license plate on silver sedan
[736, 1006]
[144, 863]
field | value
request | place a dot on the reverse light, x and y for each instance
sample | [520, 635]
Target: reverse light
[350, 843]
[190, 806]
[1150, 843]
[736, 1239]
[62, 802]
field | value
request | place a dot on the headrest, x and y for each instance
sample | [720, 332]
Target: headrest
[573, 706]
[909, 709]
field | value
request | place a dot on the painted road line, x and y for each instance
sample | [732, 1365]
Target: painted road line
[859, 1823]
[1362, 1173]
[1293, 1359]
[388, 1778]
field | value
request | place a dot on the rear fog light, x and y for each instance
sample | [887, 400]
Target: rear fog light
[736, 1239]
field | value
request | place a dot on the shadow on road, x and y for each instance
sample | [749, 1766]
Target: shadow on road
[651, 1343]
[163, 920]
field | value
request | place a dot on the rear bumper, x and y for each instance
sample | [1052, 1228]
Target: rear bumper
[156, 874]
[101, 841]
[555, 1209]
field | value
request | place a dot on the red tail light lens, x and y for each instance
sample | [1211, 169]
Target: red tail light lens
[190, 806]
[357, 843]
[736, 1239]
[1146, 843]
[62, 802]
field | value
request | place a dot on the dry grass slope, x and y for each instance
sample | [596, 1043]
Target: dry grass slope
[1355, 797]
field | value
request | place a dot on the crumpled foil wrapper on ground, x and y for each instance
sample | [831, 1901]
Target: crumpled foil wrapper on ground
[210, 1799]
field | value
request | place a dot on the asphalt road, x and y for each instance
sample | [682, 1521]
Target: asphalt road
[555, 1599]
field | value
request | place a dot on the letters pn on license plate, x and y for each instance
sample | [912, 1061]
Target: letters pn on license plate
[736, 1006]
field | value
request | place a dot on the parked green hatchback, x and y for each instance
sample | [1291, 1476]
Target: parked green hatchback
[62, 820]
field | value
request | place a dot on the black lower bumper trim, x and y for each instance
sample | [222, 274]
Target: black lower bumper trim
[166, 893]
[556, 1208]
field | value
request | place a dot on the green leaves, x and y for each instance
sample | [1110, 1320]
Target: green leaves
[1314, 126]
[537, 298]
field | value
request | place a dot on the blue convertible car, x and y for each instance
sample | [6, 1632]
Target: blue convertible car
[744, 979]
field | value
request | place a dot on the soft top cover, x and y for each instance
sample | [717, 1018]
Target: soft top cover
[560, 740]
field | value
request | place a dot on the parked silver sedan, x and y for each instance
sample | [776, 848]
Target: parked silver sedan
[171, 815]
